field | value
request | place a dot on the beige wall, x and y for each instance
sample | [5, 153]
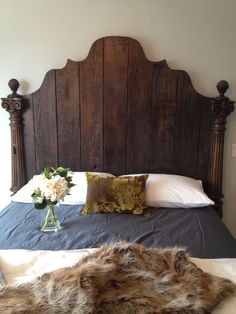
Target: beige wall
[195, 35]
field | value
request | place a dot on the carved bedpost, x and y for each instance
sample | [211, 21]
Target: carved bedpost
[221, 107]
[14, 105]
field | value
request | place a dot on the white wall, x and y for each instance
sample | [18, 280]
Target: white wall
[197, 36]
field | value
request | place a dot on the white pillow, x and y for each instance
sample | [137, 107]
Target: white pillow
[164, 190]
[77, 194]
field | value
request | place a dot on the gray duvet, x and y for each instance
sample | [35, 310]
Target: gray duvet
[199, 230]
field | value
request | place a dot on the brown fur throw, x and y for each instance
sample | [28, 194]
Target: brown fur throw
[119, 279]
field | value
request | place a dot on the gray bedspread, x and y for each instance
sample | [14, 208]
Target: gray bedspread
[199, 230]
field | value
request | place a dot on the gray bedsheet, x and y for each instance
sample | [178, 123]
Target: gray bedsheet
[199, 230]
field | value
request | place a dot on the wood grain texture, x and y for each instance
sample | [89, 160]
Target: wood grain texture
[29, 138]
[204, 140]
[91, 100]
[163, 116]
[186, 128]
[139, 110]
[118, 112]
[68, 115]
[45, 123]
[115, 104]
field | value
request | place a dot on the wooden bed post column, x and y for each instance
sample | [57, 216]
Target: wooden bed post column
[14, 105]
[221, 107]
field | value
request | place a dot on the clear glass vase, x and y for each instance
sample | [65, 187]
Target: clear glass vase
[50, 222]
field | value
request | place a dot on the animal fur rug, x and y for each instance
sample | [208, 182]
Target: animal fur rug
[119, 279]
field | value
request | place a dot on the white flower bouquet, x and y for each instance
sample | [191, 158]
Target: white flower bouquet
[48, 189]
[51, 186]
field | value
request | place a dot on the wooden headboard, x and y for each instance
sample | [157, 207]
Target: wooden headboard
[118, 112]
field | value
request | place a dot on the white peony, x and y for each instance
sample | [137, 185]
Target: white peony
[54, 189]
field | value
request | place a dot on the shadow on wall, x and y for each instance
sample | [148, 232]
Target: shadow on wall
[24, 87]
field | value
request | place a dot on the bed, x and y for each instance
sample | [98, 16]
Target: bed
[119, 113]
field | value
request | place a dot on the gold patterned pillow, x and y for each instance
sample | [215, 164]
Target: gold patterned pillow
[115, 194]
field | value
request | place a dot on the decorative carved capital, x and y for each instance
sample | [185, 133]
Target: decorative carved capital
[221, 108]
[12, 104]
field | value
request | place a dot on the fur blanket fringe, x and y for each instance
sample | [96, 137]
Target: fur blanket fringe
[119, 279]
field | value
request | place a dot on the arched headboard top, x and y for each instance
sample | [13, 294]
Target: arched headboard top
[118, 112]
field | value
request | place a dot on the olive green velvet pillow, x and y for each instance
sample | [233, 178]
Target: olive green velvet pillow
[115, 194]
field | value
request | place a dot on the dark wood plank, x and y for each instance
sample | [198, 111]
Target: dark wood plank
[45, 123]
[68, 115]
[139, 109]
[186, 128]
[163, 119]
[115, 104]
[204, 140]
[91, 100]
[29, 137]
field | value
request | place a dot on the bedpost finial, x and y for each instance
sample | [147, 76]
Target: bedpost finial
[14, 85]
[221, 106]
[222, 87]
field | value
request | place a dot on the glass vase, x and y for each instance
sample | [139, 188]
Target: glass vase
[50, 221]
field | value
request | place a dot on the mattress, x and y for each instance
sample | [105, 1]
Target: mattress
[199, 230]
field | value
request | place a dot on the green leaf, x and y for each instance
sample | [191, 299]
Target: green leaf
[41, 205]
[46, 172]
[61, 172]
[60, 169]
